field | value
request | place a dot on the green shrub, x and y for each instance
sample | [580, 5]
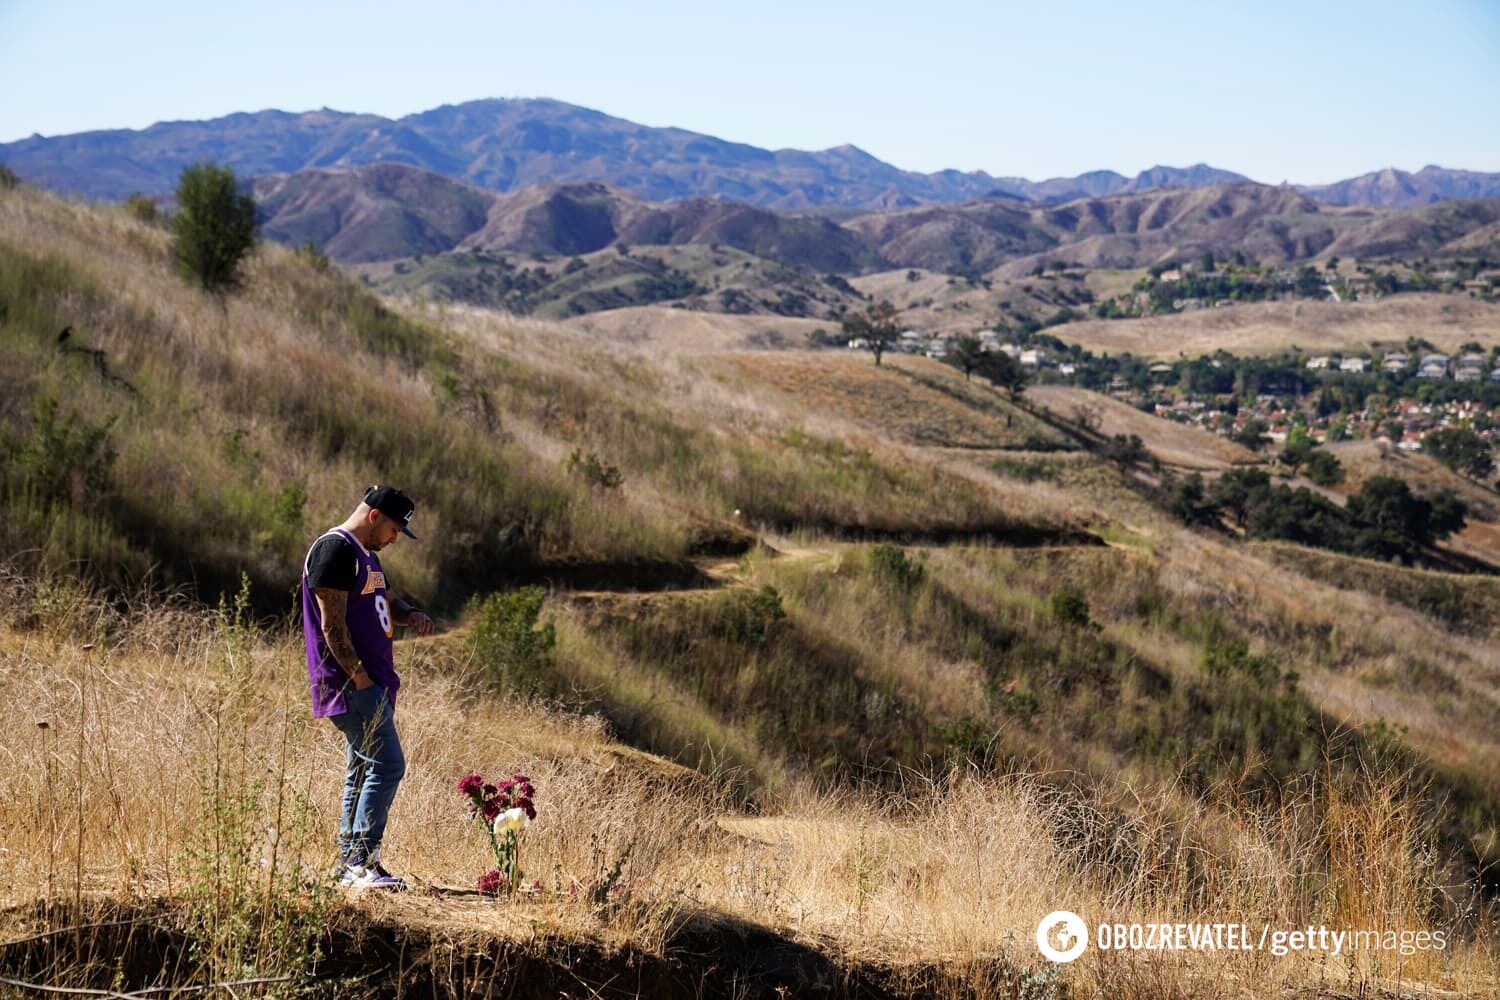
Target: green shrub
[1324, 469]
[214, 227]
[1028, 470]
[308, 254]
[594, 470]
[1232, 655]
[252, 910]
[9, 181]
[891, 565]
[969, 740]
[509, 646]
[64, 459]
[1124, 450]
[142, 209]
[286, 512]
[752, 618]
[1067, 606]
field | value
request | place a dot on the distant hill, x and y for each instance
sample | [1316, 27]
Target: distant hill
[374, 213]
[507, 145]
[387, 211]
[1391, 188]
[1273, 224]
[391, 212]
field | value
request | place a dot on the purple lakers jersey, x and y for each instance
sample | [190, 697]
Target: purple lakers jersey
[371, 628]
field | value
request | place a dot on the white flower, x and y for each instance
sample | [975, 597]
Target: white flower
[510, 821]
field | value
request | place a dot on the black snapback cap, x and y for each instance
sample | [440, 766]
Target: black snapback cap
[393, 504]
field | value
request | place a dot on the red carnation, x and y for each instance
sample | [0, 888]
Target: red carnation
[491, 882]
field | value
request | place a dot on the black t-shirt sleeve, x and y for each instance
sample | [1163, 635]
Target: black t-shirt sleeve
[332, 563]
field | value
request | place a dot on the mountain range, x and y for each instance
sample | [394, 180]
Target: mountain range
[505, 145]
[389, 211]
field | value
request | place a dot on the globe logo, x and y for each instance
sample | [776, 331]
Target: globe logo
[1062, 935]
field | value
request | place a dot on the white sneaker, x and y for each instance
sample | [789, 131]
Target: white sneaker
[370, 874]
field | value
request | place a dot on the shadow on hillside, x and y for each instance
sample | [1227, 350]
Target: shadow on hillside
[123, 948]
[998, 535]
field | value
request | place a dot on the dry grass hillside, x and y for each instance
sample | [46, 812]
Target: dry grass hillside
[666, 331]
[1269, 327]
[839, 681]
[1177, 445]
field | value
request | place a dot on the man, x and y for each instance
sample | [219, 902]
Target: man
[349, 618]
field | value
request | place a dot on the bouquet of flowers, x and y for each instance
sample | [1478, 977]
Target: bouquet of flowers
[503, 810]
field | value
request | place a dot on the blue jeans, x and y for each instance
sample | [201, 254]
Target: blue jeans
[374, 766]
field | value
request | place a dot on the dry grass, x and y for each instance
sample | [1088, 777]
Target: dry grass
[880, 400]
[955, 872]
[1174, 444]
[1269, 327]
[669, 331]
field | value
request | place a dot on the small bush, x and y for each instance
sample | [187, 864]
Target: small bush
[251, 907]
[1067, 606]
[1232, 655]
[9, 180]
[308, 255]
[512, 650]
[1028, 470]
[1324, 469]
[1124, 451]
[891, 565]
[142, 209]
[594, 470]
[286, 512]
[63, 459]
[969, 740]
[752, 618]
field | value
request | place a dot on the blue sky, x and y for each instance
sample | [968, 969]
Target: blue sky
[1310, 92]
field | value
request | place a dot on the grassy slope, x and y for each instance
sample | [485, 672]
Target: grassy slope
[1089, 664]
[304, 381]
[932, 888]
[712, 278]
[1268, 327]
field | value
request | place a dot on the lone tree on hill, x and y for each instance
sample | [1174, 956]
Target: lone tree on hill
[876, 326]
[1004, 372]
[967, 353]
[214, 227]
[1298, 450]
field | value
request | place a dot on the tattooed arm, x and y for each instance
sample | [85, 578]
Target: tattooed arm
[333, 604]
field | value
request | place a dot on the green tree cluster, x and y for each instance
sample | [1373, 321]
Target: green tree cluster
[1385, 519]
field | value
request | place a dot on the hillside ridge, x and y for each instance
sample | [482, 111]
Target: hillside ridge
[504, 144]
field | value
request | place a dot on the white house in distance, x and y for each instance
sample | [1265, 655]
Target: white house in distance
[1356, 366]
[1433, 366]
[1319, 363]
